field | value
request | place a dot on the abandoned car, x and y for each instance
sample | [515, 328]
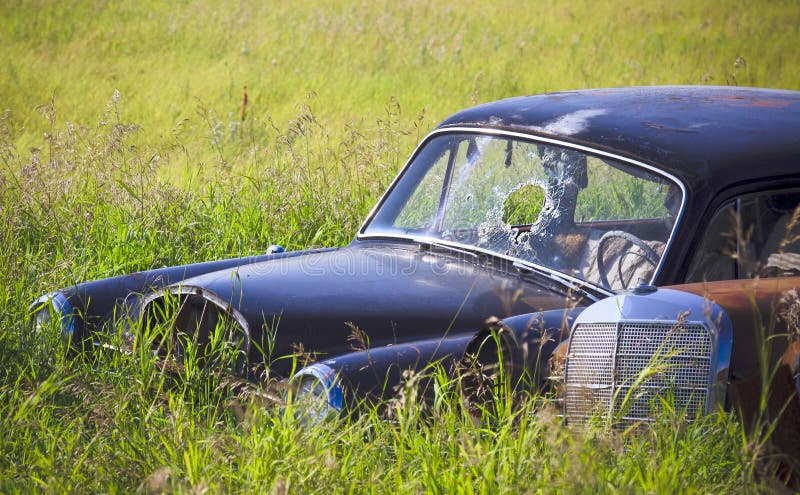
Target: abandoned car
[523, 221]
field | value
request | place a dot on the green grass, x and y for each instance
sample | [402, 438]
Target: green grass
[181, 68]
[122, 148]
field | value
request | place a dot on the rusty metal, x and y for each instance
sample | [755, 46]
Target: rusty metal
[761, 342]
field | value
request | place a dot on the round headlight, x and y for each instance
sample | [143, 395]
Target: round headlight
[318, 393]
[53, 306]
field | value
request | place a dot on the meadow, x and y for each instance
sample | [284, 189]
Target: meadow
[126, 144]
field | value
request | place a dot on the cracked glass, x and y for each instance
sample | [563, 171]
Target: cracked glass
[604, 221]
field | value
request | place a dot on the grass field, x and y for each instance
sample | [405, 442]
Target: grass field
[123, 146]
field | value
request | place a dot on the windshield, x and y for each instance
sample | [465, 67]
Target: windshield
[594, 218]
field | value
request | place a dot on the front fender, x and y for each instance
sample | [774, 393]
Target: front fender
[373, 375]
[522, 345]
[94, 303]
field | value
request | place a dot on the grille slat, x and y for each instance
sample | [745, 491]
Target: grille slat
[636, 365]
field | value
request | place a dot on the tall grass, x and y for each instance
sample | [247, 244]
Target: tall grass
[122, 148]
[119, 423]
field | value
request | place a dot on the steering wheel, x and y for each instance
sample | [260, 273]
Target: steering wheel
[648, 255]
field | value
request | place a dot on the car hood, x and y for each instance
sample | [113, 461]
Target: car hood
[390, 292]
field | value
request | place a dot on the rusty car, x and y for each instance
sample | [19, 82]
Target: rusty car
[583, 232]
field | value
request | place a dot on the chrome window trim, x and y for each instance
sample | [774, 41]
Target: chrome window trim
[537, 139]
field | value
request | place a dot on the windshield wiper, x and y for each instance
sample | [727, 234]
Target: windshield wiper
[446, 247]
[588, 290]
[558, 282]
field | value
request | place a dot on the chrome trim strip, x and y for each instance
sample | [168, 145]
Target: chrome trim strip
[662, 306]
[614, 369]
[180, 290]
[642, 354]
[658, 387]
[722, 345]
[60, 305]
[537, 139]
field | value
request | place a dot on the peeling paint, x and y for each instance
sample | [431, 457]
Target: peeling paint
[571, 123]
[741, 101]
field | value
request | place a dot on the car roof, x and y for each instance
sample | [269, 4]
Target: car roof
[709, 137]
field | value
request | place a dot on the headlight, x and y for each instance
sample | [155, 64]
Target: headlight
[318, 393]
[49, 306]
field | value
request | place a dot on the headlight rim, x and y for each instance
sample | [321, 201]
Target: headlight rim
[49, 304]
[329, 379]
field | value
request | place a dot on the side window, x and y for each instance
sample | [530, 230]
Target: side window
[752, 235]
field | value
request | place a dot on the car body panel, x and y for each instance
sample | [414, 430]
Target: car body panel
[376, 374]
[754, 305]
[97, 302]
[412, 293]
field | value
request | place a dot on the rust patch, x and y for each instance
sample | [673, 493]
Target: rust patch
[743, 299]
[740, 294]
[770, 103]
[782, 411]
[741, 101]
[791, 357]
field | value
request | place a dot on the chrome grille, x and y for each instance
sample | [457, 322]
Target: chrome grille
[628, 369]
